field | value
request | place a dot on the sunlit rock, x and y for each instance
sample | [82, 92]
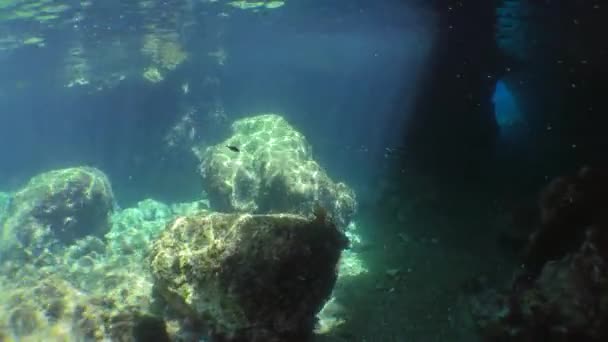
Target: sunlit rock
[95, 289]
[272, 172]
[52, 309]
[248, 277]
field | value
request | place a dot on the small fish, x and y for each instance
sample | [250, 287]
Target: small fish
[233, 148]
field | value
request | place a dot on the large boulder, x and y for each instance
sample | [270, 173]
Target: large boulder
[567, 301]
[248, 277]
[272, 172]
[57, 208]
[561, 291]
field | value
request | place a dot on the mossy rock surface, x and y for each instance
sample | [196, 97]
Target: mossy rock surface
[248, 277]
[52, 309]
[57, 208]
[273, 172]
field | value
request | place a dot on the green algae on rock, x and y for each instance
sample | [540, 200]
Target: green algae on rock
[91, 290]
[274, 173]
[53, 309]
[248, 277]
[58, 207]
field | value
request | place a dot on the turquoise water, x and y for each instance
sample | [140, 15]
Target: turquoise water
[278, 171]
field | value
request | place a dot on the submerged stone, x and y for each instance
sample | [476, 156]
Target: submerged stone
[58, 207]
[52, 309]
[273, 172]
[248, 277]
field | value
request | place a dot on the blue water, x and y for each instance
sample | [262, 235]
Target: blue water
[443, 120]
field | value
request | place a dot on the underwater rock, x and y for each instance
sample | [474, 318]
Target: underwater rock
[52, 309]
[49, 309]
[561, 293]
[248, 277]
[57, 208]
[568, 205]
[274, 172]
[94, 289]
[568, 301]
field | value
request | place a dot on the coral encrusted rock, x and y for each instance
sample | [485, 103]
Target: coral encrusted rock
[272, 171]
[57, 208]
[248, 277]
